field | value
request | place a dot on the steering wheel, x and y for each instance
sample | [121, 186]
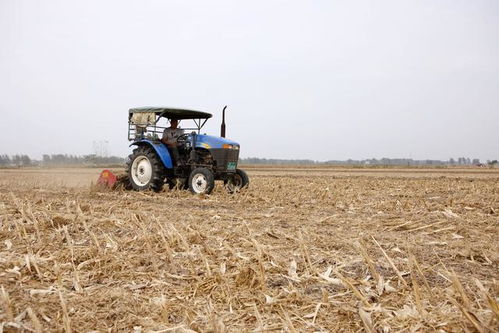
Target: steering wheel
[181, 139]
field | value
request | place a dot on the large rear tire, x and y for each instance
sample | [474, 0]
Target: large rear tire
[145, 170]
[237, 181]
[201, 181]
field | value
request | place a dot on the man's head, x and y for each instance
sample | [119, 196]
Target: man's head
[173, 123]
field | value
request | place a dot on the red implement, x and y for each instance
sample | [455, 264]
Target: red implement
[107, 178]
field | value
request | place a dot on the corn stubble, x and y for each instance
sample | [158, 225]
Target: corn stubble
[307, 253]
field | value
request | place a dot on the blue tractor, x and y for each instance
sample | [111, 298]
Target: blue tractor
[199, 159]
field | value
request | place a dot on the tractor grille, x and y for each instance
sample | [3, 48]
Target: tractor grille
[223, 157]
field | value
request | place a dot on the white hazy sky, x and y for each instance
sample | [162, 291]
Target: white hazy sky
[302, 79]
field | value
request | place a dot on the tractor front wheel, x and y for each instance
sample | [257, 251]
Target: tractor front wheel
[145, 170]
[201, 180]
[237, 181]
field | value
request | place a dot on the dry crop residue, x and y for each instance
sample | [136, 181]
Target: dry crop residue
[318, 252]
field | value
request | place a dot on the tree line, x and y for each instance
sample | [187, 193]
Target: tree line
[15, 160]
[58, 160]
[461, 161]
[21, 160]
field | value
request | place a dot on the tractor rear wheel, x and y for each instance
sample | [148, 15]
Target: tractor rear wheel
[145, 170]
[201, 181]
[237, 181]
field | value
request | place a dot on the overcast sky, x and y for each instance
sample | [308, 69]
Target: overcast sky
[302, 79]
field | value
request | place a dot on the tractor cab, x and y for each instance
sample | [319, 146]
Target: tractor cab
[149, 123]
[202, 159]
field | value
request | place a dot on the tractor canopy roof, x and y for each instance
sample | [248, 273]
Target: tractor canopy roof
[172, 113]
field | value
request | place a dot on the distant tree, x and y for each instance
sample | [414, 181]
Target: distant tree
[25, 160]
[16, 160]
[4, 160]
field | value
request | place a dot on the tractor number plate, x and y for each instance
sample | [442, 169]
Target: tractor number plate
[231, 166]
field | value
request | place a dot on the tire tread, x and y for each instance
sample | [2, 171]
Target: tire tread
[158, 173]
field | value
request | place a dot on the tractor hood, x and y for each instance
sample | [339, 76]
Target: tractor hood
[213, 142]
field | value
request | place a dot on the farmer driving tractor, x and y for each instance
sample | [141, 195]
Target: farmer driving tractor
[170, 136]
[169, 156]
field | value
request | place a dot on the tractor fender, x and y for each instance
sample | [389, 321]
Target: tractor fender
[160, 149]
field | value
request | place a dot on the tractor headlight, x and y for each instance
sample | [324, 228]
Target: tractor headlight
[228, 146]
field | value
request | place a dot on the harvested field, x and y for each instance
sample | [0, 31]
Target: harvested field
[300, 250]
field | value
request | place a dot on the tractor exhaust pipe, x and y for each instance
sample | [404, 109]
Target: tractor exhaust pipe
[222, 129]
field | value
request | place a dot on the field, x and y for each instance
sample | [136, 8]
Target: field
[303, 249]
